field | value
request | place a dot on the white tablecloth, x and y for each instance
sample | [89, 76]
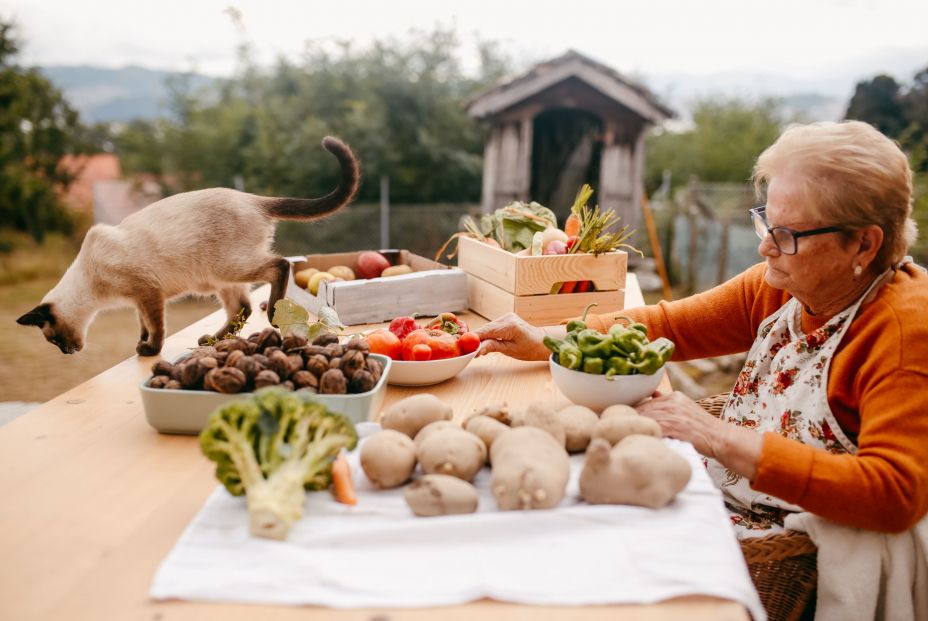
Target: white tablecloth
[378, 554]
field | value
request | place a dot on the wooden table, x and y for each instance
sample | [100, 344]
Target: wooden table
[92, 499]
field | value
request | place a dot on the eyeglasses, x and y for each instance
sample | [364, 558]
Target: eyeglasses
[785, 239]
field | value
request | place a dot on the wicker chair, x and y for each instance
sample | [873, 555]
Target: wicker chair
[782, 566]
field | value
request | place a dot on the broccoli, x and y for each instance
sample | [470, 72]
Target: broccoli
[271, 448]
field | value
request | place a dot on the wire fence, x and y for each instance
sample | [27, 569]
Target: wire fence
[421, 229]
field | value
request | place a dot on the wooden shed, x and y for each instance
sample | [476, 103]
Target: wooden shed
[565, 122]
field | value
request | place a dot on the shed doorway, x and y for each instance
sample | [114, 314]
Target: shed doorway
[566, 153]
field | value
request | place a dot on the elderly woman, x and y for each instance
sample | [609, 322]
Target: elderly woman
[830, 412]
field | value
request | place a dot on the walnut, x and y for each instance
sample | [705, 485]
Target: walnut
[303, 379]
[159, 381]
[268, 337]
[359, 344]
[375, 367]
[335, 363]
[326, 338]
[249, 366]
[266, 378]
[204, 350]
[225, 379]
[232, 344]
[262, 360]
[288, 385]
[250, 347]
[221, 357]
[333, 382]
[191, 372]
[253, 337]
[361, 381]
[173, 385]
[318, 365]
[352, 361]
[334, 350]
[279, 364]
[293, 342]
[234, 357]
[311, 350]
[162, 367]
[270, 350]
[295, 361]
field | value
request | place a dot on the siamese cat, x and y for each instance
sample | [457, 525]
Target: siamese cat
[208, 241]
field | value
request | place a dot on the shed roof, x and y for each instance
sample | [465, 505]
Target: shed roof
[623, 90]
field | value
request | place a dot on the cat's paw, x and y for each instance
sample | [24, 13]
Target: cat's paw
[144, 348]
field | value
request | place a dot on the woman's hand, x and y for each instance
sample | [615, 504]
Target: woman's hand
[682, 418]
[513, 336]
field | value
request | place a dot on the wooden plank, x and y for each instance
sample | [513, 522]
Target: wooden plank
[490, 301]
[536, 275]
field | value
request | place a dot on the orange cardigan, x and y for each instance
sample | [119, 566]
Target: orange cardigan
[877, 390]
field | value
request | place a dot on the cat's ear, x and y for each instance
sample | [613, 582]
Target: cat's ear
[38, 316]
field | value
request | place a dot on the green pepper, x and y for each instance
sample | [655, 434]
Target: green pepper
[552, 343]
[653, 356]
[632, 324]
[576, 325]
[593, 365]
[569, 356]
[594, 343]
[626, 341]
[619, 365]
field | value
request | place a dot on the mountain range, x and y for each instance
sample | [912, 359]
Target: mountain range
[104, 94]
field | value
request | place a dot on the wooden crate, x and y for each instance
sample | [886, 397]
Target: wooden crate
[500, 282]
[432, 288]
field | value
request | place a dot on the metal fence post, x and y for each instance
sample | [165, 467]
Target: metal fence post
[384, 211]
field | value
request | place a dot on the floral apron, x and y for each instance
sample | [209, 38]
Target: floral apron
[783, 388]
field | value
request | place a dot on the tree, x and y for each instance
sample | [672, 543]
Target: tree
[877, 101]
[37, 127]
[722, 145]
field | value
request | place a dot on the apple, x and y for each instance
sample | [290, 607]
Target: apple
[371, 264]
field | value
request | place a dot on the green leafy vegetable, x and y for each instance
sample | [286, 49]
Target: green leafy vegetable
[271, 448]
[514, 225]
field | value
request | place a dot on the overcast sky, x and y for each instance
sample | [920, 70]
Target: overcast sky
[801, 38]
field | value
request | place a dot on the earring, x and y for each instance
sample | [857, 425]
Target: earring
[858, 271]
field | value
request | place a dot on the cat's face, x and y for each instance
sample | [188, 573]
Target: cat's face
[55, 331]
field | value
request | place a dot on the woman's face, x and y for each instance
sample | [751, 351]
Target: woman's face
[822, 268]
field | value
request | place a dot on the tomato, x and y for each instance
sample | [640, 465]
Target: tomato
[468, 342]
[416, 337]
[402, 326]
[421, 352]
[441, 344]
[384, 342]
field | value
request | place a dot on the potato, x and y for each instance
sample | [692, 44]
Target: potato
[316, 279]
[530, 469]
[396, 270]
[614, 428]
[388, 458]
[485, 428]
[497, 411]
[618, 410]
[578, 422]
[371, 264]
[341, 271]
[302, 277]
[543, 416]
[432, 428]
[639, 470]
[440, 494]
[411, 414]
[452, 451]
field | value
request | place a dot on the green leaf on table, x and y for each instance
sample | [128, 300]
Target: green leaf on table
[291, 318]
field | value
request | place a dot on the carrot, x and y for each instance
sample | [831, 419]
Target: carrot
[342, 485]
[572, 225]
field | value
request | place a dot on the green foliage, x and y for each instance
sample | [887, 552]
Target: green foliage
[37, 127]
[399, 104]
[723, 144]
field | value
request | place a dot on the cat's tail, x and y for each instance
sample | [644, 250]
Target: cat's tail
[312, 208]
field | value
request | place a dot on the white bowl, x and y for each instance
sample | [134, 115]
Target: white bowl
[427, 372]
[598, 392]
[186, 411]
